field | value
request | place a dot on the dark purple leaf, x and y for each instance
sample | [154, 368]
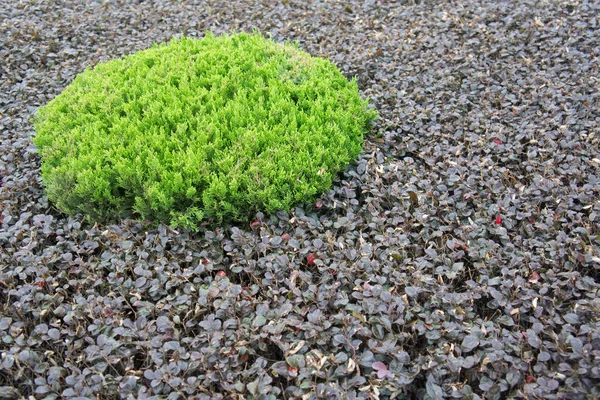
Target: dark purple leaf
[470, 342]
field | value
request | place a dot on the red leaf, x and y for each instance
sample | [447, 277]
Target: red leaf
[310, 259]
[285, 237]
[529, 378]
[381, 369]
[221, 273]
[255, 224]
[319, 204]
[292, 370]
[498, 220]
[534, 277]
[497, 141]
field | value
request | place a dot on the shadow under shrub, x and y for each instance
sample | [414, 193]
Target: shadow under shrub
[217, 128]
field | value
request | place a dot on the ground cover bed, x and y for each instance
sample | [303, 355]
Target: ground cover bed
[457, 257]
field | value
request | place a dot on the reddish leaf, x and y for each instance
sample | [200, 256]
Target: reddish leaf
[285, 237]
[381, 369]
[221, 273]
[529, 378]
[498, 220]
[497, 141]
[534, 277]
[310, 259]
[255, 224]
[319, 204]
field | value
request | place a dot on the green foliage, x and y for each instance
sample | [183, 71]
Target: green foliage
[217, 128]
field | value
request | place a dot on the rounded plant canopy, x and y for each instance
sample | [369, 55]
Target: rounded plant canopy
[217, 128]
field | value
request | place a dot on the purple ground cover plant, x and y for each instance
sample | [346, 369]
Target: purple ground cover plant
[457, 257]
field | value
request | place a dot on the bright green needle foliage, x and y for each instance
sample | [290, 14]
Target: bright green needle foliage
[217, 128]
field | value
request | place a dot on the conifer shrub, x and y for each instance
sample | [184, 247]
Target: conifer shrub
[190, 130]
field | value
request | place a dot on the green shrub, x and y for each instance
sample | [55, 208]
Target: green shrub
[217, 128]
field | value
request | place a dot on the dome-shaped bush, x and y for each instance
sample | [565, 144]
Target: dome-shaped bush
[216, 128]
